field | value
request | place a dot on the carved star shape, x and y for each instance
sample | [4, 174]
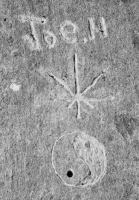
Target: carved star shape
[79, 97]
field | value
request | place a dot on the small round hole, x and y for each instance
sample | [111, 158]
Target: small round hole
[69, 173]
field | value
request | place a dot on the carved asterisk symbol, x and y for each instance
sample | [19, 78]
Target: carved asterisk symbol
[79, 97]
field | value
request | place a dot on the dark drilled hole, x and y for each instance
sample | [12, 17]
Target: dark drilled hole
[70, 173]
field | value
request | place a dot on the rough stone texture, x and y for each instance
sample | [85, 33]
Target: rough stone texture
[33, 118]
